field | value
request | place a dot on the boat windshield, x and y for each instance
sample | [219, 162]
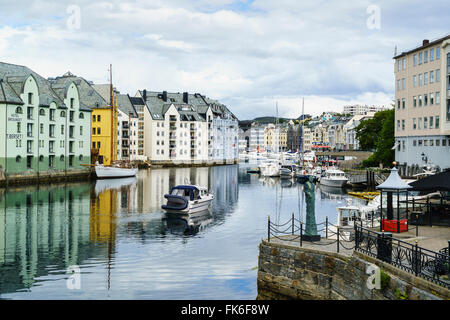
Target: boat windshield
[181, 192]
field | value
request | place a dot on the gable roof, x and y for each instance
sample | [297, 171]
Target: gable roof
[89, 97]
[13, 79]
[125, 105]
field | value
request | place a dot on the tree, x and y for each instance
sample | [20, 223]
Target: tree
[383, 139]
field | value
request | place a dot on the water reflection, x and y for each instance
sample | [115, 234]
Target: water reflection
[128, 248]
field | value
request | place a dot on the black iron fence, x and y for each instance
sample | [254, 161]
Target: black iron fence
[430, 265]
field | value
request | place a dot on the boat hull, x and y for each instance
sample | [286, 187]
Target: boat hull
[114, 172]
[179, 205]
[333, 182]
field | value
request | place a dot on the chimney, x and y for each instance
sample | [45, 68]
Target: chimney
[425, 42]
[164, 96]
[144, 95]
[185, 97]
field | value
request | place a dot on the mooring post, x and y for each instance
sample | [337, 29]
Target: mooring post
[337, 239]
[301, 234]
[292, 223]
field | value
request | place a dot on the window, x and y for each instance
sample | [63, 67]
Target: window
[29, 146]
[93, 145]
[444, 142]
[398, 104]
[19, 110]
[437, 122]
[62, 114]
[403, 124]
[399, 146]
[81, 131]
[425, 143]
[398, 85]
[425, 56]
[414, 101]
[50, 146]
[415, 60]
[419, 143]
[61, 158]
[425, 99]
[438, 53]
[438, 75]
[30, 98]
[29, 129]
[71, 115]
[431, 122]
[81, 115]
[431, 98]
[425, 78]
[414, 143]
[98, 145]
[420, 80]
[414, 124]
[431, 143]
[403, 145]
[398, 64]
[403, 103]
[93, 130]
[431, 77]
[42, 112]
[98, 118]
[398, 125]
[419, 124]
[41, 128]
[438, 98]
[98, 130]
[420, 58]
[62, 129]
[52, 114]
[30, 113]
[438, 142]
[425, 122]
[404, 63]
[18, 127]
[420, 101]
[403, 84]
[414, 81]
[93, 118]
[431, 54]
[72, 101]
[52, 130]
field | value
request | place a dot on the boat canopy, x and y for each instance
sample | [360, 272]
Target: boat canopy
[192, 192]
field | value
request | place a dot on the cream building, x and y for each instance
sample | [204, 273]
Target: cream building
[422, 104]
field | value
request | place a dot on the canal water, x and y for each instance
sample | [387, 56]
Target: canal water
[110, 239]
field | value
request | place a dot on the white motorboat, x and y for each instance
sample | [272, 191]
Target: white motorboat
[270, 169]
[334, 178]
[368, 216]
[103, 172]
[288, 171]
[188, 199]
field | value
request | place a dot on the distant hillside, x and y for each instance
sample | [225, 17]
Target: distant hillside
[265, 120]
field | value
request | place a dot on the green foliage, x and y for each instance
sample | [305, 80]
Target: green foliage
[385, 279]
[401, 295]
[378, 133]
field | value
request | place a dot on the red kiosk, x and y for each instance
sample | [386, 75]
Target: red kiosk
[393, 185]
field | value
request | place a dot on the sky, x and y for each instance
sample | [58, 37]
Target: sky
[251, 55]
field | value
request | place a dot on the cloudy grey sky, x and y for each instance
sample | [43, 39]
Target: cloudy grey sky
[249, 54]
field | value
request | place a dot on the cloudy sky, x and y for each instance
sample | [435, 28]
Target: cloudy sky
[249, 54]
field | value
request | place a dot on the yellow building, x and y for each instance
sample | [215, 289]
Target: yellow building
[104, 127]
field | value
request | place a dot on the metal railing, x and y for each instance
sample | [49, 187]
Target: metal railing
[411, 258]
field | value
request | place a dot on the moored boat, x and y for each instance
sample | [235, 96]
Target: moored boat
[187, 199]
[334, 178]
[103, 172]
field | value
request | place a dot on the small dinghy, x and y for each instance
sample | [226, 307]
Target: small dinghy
[187, 199]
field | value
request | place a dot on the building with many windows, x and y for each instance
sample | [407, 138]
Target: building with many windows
[422, 104]
[46, 126]
[362, 109]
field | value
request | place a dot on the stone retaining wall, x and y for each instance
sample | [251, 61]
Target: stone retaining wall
[287, 272]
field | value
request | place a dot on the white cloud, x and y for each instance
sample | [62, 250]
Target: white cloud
[248, 54]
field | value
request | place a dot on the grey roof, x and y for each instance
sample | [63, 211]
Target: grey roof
[194, 110]
[394, 182]
[89, 97]
[13, 78]
[125, 105]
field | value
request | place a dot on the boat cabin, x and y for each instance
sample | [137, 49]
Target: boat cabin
[189, 192]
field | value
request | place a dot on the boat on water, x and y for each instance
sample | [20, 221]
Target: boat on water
[270, 169]
[368, 216]
[188, 224]
[334, 178]
[288, 171]
[114, 171]
[187, 199]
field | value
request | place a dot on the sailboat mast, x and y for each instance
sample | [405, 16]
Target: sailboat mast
[303, 145]
[112, 112]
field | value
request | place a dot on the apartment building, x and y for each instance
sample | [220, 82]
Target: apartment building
[422, 108]
[257, 138]
[187, 128]
[46, 126]
[351, 141]
[362, 109]
[127, 130]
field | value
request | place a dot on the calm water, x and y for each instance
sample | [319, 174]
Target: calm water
[126, 247]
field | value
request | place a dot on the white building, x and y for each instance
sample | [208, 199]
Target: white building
[362, 110]
[351, 142]
[127, 131]
[257, 141]
[187, 128]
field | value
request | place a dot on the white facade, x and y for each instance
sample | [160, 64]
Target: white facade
[224, 139]
[127, 137]
[362, 110]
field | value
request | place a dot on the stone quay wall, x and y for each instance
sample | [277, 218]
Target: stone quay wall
[287, 272]
[28, 178]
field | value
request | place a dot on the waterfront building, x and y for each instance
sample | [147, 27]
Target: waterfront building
[362, 109]
[257, 141]
[47, 127]
[336, 135]
[244, 135]
[187, 128]
[422, 104]
[293, 136]
[127, 131]
[307, 138]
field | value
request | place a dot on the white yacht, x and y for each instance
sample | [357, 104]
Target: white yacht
[188, 199]
[288, 171]
[103, 172]
[334, 178]
[270, 169]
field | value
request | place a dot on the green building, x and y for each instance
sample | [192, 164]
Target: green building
[45, 130]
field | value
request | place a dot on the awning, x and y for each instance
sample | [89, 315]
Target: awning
[436, 182]
[394, 182]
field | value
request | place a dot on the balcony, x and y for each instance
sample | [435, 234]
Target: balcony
[172, 136]
[172, 146]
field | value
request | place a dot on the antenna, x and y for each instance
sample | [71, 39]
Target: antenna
[395, 51]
